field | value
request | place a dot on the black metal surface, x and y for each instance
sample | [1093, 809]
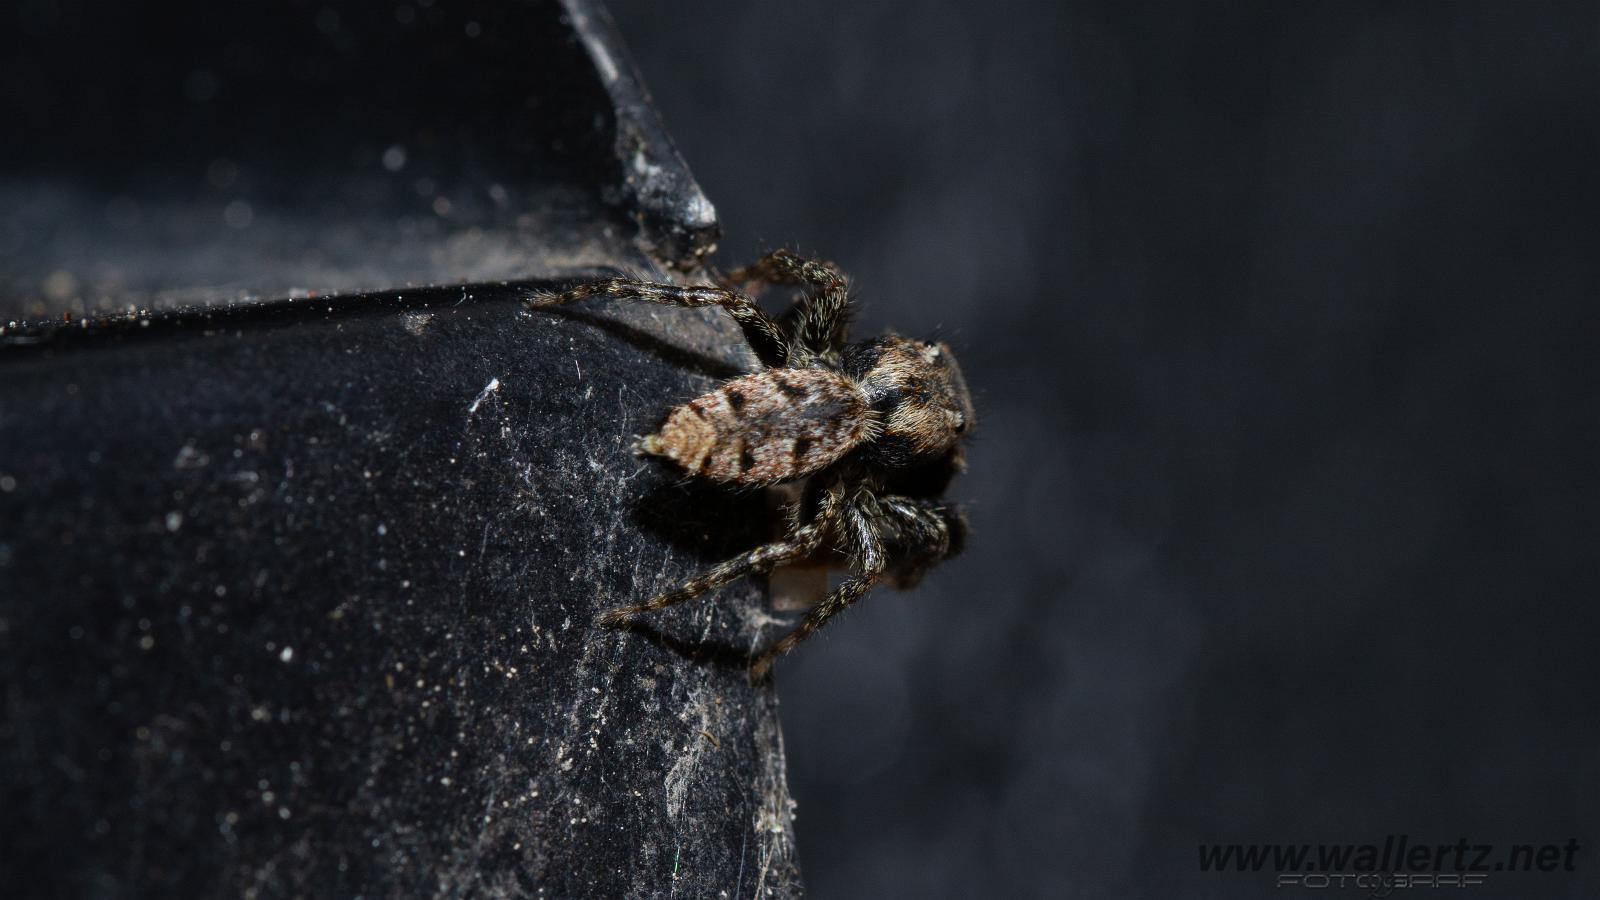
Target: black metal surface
[301, 605]
[164, 155]
[295, 588]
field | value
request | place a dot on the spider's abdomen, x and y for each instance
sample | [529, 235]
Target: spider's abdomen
[771, 426]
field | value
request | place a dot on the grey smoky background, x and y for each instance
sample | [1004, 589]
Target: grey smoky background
[1279, 319]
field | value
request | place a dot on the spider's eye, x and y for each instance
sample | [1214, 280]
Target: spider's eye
[960, 424]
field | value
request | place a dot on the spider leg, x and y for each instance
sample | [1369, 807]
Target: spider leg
[760, 559]
[926, 533]
[869, 548]
[925, 525]
[786, 267]
[802, 541]
[763, 335]
[822, 318]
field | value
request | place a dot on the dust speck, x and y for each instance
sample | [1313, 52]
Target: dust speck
[492, 387]
[416, 323]
[189, 457]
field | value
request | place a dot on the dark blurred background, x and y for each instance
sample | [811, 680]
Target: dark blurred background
[1279, 320]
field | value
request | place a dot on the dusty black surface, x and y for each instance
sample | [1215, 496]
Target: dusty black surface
[184, 154]
[297, 559]
[301, 605]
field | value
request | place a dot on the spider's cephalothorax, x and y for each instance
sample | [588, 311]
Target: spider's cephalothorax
[873, 429]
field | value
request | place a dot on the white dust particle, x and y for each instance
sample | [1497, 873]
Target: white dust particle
[491, 387]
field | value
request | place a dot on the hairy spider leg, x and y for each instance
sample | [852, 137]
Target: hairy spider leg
[922, 523]
[869, 550]
[926, 532]
[822, 322]
[801, 542]
[762, 334]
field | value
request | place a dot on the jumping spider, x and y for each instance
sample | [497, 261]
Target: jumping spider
[872, 430]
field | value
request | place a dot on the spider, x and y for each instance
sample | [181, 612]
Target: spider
[872, 432]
